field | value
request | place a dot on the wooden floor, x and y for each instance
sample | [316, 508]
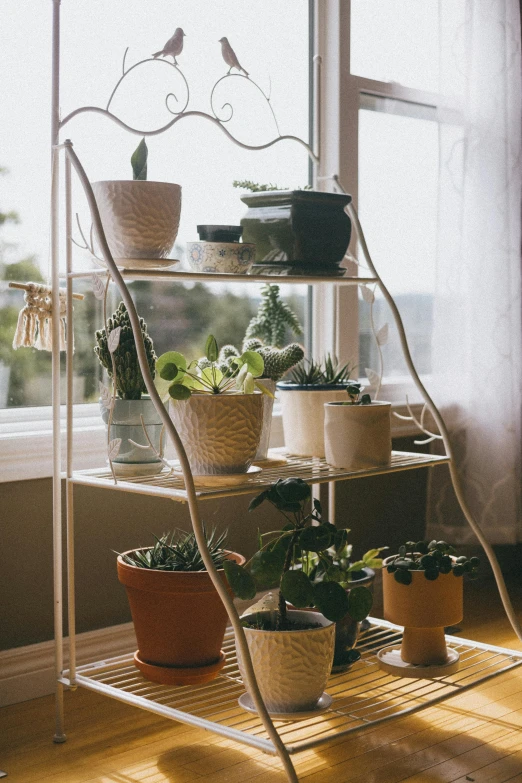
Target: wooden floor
[476, 736]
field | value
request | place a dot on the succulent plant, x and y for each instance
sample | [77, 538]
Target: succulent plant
[179, 551]
[129, 380]
[273, 318]
[277, 360]
[328, 372]
[432, 557]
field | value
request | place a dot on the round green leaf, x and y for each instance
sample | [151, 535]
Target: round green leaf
[239, 580]
[360, 602]
[266, 567]
[315, 539]
[402, 576]
[171, 357]
[179, 392]
[169, 372]
[254, 362]
[297, 589]
[331, 600]
[292, 490]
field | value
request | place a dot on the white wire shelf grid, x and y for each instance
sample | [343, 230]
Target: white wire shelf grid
[363, 696]
[311, 469]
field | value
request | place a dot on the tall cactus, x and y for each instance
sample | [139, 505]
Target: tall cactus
[272, 319]
[129, 380]
[277, 360]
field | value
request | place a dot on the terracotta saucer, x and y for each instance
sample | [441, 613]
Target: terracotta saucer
[179, 675]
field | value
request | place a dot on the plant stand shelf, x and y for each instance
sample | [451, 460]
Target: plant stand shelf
[362, 696]
[310, 469]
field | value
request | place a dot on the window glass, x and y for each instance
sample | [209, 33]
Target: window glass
[271, 41]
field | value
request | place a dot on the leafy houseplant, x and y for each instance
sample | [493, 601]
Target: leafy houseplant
[140, 218]
[278, 561]
[357, 431]
[177, 613]
[423, 591]
[303, 398]
[132, 410]
[219, 415]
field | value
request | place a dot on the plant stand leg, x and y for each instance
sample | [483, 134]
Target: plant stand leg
[59, 734]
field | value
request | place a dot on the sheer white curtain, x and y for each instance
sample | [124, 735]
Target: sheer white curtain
[477, 334]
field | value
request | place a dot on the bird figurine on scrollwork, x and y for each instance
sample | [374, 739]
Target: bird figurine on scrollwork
[173, 47]
[229, 56]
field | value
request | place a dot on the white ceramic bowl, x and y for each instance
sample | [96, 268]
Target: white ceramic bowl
[234, 258]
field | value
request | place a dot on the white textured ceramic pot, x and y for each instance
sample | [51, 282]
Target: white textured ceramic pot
[268, 407]
[302, 408]
[126, 424]
[357, 436]
[291, 667]
[220, 432]
[140, 218]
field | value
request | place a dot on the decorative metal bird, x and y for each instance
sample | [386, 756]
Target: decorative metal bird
[173, 47]
[229, 56]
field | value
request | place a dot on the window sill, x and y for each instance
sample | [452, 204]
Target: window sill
[26, 438]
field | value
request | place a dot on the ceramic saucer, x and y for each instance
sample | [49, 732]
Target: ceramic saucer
[322, 705]
[391, 662]
[225, 479]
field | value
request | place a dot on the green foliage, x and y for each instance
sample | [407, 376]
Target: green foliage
[139, 161]
[129, 380]
[179, 551]
[289, 558]
[277, 360]
[254, 187]
[354, 390]
[273, 318]
[330, 371]
[431, 557]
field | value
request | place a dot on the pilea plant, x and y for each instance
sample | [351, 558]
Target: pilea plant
[328, 372]
[129, 380]
[179, 379]
[139, 161]
[278, 561]
[179, 551]
[354, 389]
[432, 557]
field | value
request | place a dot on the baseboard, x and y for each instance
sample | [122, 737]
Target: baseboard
[28, 672]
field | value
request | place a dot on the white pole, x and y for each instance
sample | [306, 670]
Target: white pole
[59, 735]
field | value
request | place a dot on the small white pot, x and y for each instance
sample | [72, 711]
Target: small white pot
[302, 408]
[227, 257]
[291, 667]
[126, 424]
[220, 432]
[140, 218]
[357, 436]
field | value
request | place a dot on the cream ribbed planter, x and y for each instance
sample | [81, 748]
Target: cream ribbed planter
[140, 218]
[291, 667]
[303, 416]
[220, 432]
[357, 436]
[268, 407]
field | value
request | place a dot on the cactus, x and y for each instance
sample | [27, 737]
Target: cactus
[272, 319]
[277, 360]
[129, 380]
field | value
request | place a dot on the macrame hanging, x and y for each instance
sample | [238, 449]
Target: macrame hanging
[35, 321]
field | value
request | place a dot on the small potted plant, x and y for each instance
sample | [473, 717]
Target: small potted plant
[278, 639]
[219, 416]
[178, 615]
[131, 415]
[303, 396]
[423, 591]
[305, 231]
[140, 218]
[357, 431]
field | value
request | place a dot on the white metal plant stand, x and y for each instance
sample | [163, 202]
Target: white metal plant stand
[362, 696]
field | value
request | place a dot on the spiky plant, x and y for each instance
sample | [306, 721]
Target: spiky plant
[129, 380]
[179, 551]
[273, 318]
[329, 372]
[277, 360]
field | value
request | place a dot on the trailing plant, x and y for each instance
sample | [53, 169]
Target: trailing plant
[254, 187]
[179, 379]
[129, 380]
[278, 561]
[432, 557]
[179, 551]
[328, 372]
[139, 161]
[272, 319]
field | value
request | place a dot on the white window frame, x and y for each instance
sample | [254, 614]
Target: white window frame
[26, 433]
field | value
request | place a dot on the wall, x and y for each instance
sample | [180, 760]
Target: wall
[380, 510]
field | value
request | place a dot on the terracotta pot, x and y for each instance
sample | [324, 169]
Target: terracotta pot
[357, 437]
[302, 409]
[220, 432]
[291, 667]
[140, 218]
[179, 621]
[424, 608]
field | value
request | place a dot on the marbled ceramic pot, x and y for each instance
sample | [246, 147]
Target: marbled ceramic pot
[291, 667]
[126, 424]
[357, 437]
[302, 409]
[140, 218]
[220, 432]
